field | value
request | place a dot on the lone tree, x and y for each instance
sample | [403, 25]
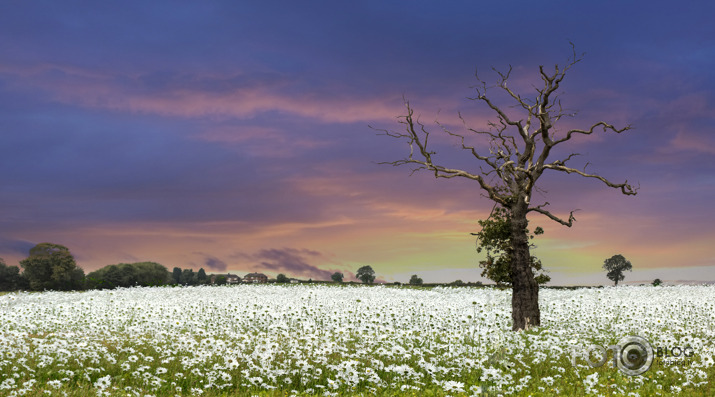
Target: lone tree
[415, 280]
[615, 266]
[282, 278]
[513, 152]
[337, 277]
[365, 274]
[495, 239]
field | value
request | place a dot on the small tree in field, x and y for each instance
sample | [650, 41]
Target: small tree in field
[615, 266]
[365, 274]
[511, 154]
[657, 282]
[337, 277]
[282, 278]
[414, 280]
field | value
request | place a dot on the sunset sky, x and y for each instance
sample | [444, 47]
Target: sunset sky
[235, 136]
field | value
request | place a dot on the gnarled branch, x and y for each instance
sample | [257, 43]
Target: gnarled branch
[625, 187]
[540, 209]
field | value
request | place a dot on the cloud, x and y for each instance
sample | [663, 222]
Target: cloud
[215, 264]
[692, 142]
[241, 95]
[294, 262]
[15, 246]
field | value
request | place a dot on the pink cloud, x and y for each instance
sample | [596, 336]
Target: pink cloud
[200, 96]
[692, 142]
[261, 141]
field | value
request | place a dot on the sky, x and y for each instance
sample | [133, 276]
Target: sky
[236, 136]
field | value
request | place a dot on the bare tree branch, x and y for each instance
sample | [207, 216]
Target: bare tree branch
[419, 137]
[603, 124]
[540, 210]
[625, 187]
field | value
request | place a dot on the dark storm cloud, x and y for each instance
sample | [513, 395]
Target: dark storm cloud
[294, 262]
[215, 264]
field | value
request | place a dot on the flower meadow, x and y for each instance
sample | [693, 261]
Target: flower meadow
[328, 340]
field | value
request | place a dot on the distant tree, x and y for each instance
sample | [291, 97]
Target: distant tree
[615, 266]
[201, 277]
[129, 275]
[657, 282]
[113, 276]
[282, 278]
[152, 274]
[495, 238]
[52, 267]
[220, 280]
[188, 277]
[142, 274]
[365, 274]
[176, 275]
[414, 280]
[9, 277]
[337, 277]
[457, 282]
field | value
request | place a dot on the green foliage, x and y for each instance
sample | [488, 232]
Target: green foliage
[414, 280]
[9, 277]
[52, 267]
[337, 277]
[282, 278]
[201, 277]
[143, 274]
[151, 274]
[495, 239]
[188, 277]
[657, 282]
[176, 275]
[615, 266]
[220, 280]
[365, 274]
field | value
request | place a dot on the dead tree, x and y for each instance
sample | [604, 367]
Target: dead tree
[517, 155]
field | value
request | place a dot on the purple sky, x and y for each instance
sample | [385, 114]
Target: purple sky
[235, 137]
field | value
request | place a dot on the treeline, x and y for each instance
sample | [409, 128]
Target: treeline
[52, 267]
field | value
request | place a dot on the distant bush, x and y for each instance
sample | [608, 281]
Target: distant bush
[144, 274]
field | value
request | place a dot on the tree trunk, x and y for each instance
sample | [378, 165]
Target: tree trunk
[525, 291]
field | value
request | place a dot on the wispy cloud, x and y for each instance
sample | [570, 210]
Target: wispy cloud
[15, 246]
[240, 95]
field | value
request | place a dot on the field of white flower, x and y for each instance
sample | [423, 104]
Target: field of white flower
[341, 340]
